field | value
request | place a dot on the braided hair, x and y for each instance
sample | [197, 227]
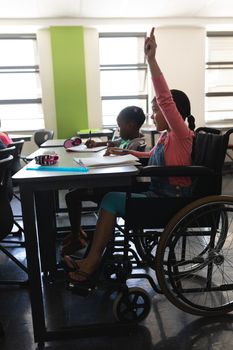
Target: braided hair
[183, 105]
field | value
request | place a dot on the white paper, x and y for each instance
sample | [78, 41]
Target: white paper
[113, 160]
[83, 148]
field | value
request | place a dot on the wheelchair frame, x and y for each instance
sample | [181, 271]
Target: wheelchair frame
[186, 256]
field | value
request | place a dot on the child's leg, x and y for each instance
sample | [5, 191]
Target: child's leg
[103, 234]
[77, 239]
[112, 205]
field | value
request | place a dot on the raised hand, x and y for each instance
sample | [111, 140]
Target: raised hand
[150, 46]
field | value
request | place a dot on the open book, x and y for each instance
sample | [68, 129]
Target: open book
[108, 161]
[83, 148]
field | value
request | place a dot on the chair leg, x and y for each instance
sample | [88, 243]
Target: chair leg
[16, 261]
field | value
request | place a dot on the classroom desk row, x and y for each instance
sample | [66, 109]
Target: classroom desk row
[38, 208]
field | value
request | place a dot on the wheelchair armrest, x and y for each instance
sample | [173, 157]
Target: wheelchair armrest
[192, 170]
[144, 161]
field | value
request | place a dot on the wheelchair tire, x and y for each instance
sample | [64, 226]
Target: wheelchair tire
[132, 306]
[194, 261]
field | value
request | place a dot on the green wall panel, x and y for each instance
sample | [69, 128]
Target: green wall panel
[69, 79]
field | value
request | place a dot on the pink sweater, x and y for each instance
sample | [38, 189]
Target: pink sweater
[178, 140]
[5, 138]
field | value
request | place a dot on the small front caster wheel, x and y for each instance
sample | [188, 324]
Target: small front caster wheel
[132, 305]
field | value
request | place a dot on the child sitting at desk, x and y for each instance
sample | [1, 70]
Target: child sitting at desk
[174, 147]
[129, 121]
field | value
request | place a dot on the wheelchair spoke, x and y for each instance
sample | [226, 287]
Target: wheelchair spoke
[195, 266]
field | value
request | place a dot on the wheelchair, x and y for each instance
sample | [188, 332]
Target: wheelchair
[183, 247]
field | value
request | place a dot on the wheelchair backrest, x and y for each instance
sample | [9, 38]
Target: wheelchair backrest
[209, 150]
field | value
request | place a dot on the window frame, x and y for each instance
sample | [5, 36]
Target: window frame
[221, 122]
[19, 69]
[122, 67]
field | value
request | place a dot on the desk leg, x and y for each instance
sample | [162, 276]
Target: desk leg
[46, 224]
[33, 262]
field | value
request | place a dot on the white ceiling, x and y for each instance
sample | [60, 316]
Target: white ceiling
[10, 9]
[215, 13]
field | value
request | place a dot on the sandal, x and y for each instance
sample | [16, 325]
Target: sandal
[86, 275]
[70, 237]
[85, 287]
[70, 264]
[72, 247]
[89, 280]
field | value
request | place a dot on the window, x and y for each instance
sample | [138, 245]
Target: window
[20, 89]
[123, 74]
[219, 78]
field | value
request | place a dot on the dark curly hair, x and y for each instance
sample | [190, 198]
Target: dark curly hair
[132, 114]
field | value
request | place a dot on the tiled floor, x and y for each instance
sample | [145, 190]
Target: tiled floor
[165, 328]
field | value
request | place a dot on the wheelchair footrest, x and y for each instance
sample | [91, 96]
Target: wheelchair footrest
[82, 289]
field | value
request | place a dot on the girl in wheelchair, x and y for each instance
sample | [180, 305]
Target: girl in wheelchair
[174, 147]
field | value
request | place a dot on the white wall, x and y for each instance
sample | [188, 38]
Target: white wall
[94, 106]
[46, 76]
[181, 56]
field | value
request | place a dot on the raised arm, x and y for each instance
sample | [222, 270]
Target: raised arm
[162, 92]
[150, 52]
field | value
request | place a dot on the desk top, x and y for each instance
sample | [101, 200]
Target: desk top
[66, 160]
[17, 137]
[96, 133]
[60, 142]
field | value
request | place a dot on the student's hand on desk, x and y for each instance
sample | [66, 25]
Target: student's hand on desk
[110, 144]
[90, 143]
[117, 151]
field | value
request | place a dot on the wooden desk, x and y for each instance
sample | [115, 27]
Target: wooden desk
[36, 191]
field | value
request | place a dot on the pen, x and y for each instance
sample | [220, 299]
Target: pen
[81, 163]
[90, 135]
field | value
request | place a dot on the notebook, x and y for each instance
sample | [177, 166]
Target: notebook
[113, 160]
[83, 148]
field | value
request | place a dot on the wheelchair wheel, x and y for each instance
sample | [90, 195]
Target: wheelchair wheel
[194, 261]
[132, 306]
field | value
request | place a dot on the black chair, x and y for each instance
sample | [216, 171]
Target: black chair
[6, 217]
[40, 136]
[16, 165]
[14, 149]
[5, 153]
[185, 241]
